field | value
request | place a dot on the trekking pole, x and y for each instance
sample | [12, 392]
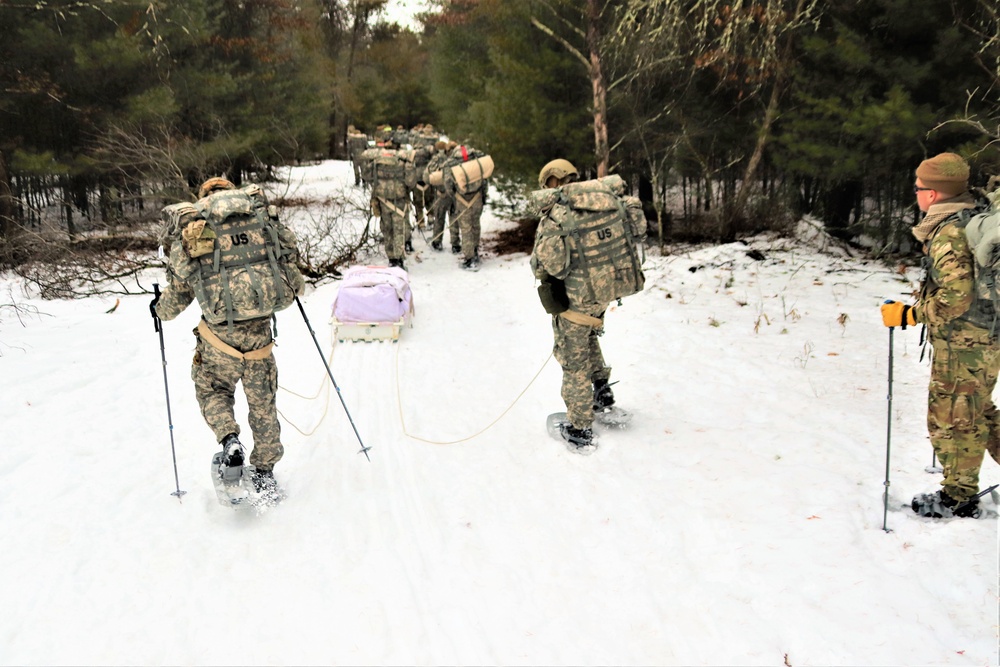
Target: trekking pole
[302, 310]
[158, 325]
[962, 506]
[888, 440]
[933, 467]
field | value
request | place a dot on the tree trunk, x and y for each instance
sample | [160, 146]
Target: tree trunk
[7, 209]
[601, 148]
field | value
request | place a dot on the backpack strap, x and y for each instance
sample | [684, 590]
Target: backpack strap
[582, 318]
[222, 346]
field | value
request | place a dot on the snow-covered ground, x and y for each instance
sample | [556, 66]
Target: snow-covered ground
[739, 520]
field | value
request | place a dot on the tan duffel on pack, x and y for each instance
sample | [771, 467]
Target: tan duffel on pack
[469, 175]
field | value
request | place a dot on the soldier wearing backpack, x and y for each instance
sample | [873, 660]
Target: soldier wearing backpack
[390, 200]
[441, 201]
[961, 417]
[466, 180]
[230, 252]
[585, 256]
[357, 143]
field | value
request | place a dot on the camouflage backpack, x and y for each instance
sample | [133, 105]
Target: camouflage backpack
[416, 162]
[599, 239]
[387, 173]
[982, 230]
[236, 255]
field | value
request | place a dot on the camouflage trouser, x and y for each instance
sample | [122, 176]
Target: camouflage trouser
[395, 226]
[467, 210]
[356, 163]
[578, 351]
[439, 209]
[423, 200]
[215, 376]
[961, 417]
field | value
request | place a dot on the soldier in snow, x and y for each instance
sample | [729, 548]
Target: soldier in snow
[961, 417]
[225, 255]
[585, 257]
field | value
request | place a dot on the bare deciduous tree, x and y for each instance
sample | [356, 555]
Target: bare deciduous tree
[746, 44]
[590, 56]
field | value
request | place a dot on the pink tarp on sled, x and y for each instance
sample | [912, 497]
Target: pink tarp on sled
[372, 298]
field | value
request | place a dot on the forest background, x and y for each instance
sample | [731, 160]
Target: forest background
[727, 117]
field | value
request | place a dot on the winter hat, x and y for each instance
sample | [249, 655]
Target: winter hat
[947, 173]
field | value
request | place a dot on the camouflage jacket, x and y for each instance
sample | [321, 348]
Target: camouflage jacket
[948, 289]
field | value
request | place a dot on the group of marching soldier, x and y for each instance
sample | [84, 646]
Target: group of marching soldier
[411, 170]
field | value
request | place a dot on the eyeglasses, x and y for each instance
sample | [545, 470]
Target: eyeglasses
[917, 188]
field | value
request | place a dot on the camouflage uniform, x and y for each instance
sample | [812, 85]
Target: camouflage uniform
[390, 203]
[357, 144]
[442, 202]
[576, 331]
[466, 209]
[418, 190]
[248, 360]
[961, 418]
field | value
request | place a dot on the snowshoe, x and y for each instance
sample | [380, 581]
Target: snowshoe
[227, 481]
[613, 417]
[577, 440]
[939, 505]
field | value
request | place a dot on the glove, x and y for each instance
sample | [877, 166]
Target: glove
[895, 314]
[552, 294]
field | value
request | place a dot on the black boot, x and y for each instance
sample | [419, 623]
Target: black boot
[408, 246]
[471, 264]
[397, 262]
[939, 505]
[437, 245]
[263, 480]
[579, 440]
[233, 453]
[604, 398]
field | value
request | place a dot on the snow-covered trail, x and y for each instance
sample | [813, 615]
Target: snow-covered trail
[738, 520]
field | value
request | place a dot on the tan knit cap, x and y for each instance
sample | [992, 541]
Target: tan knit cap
[947, 173]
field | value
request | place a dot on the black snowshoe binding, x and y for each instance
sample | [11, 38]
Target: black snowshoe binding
[604, 398]
[227, 471]
[605, 411]
[579, 440]
[268, 493]
[939, 505]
